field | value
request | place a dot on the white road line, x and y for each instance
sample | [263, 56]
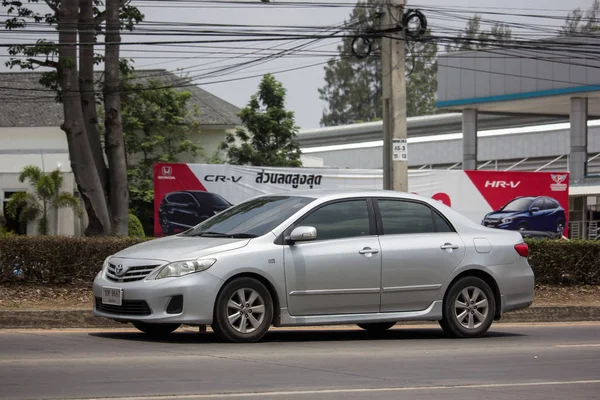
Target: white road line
[336, 391]
[579, 345]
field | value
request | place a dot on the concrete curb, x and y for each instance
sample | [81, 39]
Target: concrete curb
[82, 318]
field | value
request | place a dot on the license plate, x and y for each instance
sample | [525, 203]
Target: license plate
[112, 296]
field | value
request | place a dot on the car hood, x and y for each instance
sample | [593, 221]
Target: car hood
[502, 214]
[178, 248]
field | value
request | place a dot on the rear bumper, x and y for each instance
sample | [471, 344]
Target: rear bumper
[516, 283]
[199, 292]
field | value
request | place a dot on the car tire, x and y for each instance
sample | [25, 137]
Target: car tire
[377, 327]
[156, 329]
[522, 226]
[462, 314]
[236, 322]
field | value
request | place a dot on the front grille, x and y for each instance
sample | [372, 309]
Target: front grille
[492, 223]
[131, 274]
[129, 307]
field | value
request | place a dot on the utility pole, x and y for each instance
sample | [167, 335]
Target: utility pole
[395, 157]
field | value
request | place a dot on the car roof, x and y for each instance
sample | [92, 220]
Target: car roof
[332, 194]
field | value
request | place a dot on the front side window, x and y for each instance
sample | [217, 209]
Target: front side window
[518, 205]
[340, 220]
[252, 218]
[539, 203]
[405, 217]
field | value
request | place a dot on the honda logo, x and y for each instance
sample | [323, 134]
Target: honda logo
[167, 171]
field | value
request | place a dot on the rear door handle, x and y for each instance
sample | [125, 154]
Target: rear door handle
[449, 246]
[368, 251]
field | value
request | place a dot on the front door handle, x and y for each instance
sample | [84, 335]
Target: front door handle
[449, 246]
[367, 251]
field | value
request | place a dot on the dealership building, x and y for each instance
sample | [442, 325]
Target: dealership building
[508, 110]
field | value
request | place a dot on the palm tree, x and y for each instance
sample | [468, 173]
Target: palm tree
[29, 206]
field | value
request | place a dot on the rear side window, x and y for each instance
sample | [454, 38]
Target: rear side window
[180, 198]
[550, 204]
[405, 217]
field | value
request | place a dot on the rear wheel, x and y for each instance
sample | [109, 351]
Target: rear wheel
[243, 311]
[469, 308]
[377, 327]
[156, 329]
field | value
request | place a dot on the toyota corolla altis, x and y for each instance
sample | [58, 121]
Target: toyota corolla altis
[370, 258]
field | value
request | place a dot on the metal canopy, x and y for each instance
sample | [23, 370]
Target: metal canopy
[540, 78]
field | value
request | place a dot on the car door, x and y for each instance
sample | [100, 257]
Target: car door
[339, 272]
[419, 251]
[536, 219]
[185, 210]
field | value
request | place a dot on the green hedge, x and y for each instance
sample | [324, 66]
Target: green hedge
[56, 259]
[135, 227]
[52, 259]
[573, 262]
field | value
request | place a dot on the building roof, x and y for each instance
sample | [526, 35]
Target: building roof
[26, 103]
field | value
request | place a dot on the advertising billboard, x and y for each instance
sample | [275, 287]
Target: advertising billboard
[187, 194]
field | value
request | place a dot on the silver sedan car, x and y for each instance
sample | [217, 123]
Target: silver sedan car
[370, 258]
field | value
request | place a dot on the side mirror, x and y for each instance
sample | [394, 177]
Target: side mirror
[534, 209]
[303, 234]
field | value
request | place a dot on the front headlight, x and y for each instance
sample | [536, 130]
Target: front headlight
[506, 220]
[182, 268]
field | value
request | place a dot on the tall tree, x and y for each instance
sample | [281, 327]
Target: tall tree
[578, 23]
[46, 196]
[114, 143]
[269, 134]
[80, 150]
[352, 87]
[475, 36]
[157, 124]
[73, 83]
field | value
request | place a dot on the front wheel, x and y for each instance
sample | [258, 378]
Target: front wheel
[155, 329]
[377, 326]
[469, 308]
[560, 227]
[243, 311]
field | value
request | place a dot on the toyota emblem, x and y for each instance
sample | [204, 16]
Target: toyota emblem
[119, 270]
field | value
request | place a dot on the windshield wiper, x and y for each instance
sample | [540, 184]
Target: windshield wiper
[227, 235]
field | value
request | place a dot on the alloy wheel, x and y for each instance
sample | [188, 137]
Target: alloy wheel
[471, 307]
[245, 310]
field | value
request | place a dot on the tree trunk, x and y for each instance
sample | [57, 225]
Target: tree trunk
[114, 143]
[82, 160]
[88, 90]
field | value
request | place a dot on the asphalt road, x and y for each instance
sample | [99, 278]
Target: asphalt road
[512, 362]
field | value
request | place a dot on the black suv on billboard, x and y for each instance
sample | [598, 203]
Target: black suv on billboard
[179, 211]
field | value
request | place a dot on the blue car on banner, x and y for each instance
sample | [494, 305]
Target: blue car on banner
[539, 213]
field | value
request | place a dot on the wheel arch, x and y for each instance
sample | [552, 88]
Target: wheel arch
[487, 278]
[270, 287]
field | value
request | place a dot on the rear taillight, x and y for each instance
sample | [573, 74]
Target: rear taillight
[522, 249]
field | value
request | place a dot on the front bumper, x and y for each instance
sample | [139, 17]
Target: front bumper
[199, 291]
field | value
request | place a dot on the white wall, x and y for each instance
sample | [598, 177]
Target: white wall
[62, 223]
[45, 147]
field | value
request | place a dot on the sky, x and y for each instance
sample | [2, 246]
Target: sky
[302, 85]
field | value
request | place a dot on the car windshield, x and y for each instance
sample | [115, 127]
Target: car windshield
[216, 200]
[518, 205]
[252, 218]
